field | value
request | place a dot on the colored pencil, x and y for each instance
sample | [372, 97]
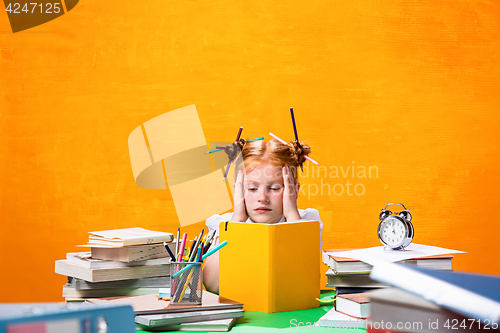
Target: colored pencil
[195, 249]
[239, 134]
[311, 160]
[294, 127]
[192, 245]
[186, 284]
[177, 242]
[227, 169]
[296, 135]
[183, 245]
[274, 136]
[206, 255]
[209, 242]
[213, 151]
[169, 251]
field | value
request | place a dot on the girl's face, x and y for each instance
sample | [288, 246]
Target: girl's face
[263, 191]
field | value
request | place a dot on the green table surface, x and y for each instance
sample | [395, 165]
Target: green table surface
[285, 321]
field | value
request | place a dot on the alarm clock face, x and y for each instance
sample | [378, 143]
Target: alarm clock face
[395, 232]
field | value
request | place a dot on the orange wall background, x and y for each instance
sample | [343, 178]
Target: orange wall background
[408, 88]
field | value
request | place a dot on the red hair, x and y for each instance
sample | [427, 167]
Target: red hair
[272, 152]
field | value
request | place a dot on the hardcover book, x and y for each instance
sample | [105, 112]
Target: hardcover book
[132, 253]
[152, 282]
[345, 265]
[66, 267]
[356, 305]
[267, 269]
[71, 292]
[472, 295]
[85, 259]
[351, 280]
[393, 306]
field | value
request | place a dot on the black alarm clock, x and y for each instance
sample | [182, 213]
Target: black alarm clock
[395, 229]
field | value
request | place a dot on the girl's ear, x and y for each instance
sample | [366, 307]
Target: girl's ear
[297, 188]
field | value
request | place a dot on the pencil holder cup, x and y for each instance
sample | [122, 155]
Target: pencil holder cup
[186, 287]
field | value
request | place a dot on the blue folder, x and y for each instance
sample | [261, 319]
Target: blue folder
[66, 317]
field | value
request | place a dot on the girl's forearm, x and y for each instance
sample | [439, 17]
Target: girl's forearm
[294, 216]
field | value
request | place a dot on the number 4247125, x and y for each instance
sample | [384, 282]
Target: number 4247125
[33, 7]
[455, 324]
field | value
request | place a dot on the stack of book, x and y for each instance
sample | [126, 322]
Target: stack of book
[215, 313]
[349, 275]
[351, 279]
[168, 309]
[424, 300]
[122, 262]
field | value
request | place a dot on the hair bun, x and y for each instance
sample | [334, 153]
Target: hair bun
[233, 150]
[301, 149]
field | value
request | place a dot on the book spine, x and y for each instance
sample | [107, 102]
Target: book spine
[145, 252]
[147, 240]
[62, 267]
[272, 271]
[116, 254]
[437, 291]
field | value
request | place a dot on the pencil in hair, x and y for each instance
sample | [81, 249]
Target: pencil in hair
[239, 134]
[256, 139]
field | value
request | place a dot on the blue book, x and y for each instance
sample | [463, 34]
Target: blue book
[472, 295]
[66, 317]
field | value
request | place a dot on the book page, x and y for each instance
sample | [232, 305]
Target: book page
[373, 255]
[126, 234]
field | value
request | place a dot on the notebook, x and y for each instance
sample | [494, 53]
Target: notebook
[159, 320]
[270, 267]
[220, 325]
[150, 304]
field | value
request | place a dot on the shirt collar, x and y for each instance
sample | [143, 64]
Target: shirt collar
[281, 220]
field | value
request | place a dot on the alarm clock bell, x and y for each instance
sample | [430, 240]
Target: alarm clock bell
[395, 229]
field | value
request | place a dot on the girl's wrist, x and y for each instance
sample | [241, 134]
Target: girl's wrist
[239, 218]
[293, 216]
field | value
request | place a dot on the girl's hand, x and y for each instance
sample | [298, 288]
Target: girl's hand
[289, 196]
[211, 271]
[240, 211]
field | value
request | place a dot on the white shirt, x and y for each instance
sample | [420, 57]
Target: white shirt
[309, 214]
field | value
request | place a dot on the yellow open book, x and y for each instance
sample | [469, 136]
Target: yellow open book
[270, 267]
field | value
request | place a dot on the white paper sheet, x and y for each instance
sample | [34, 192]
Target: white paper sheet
[374, 255]
[337, 320]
